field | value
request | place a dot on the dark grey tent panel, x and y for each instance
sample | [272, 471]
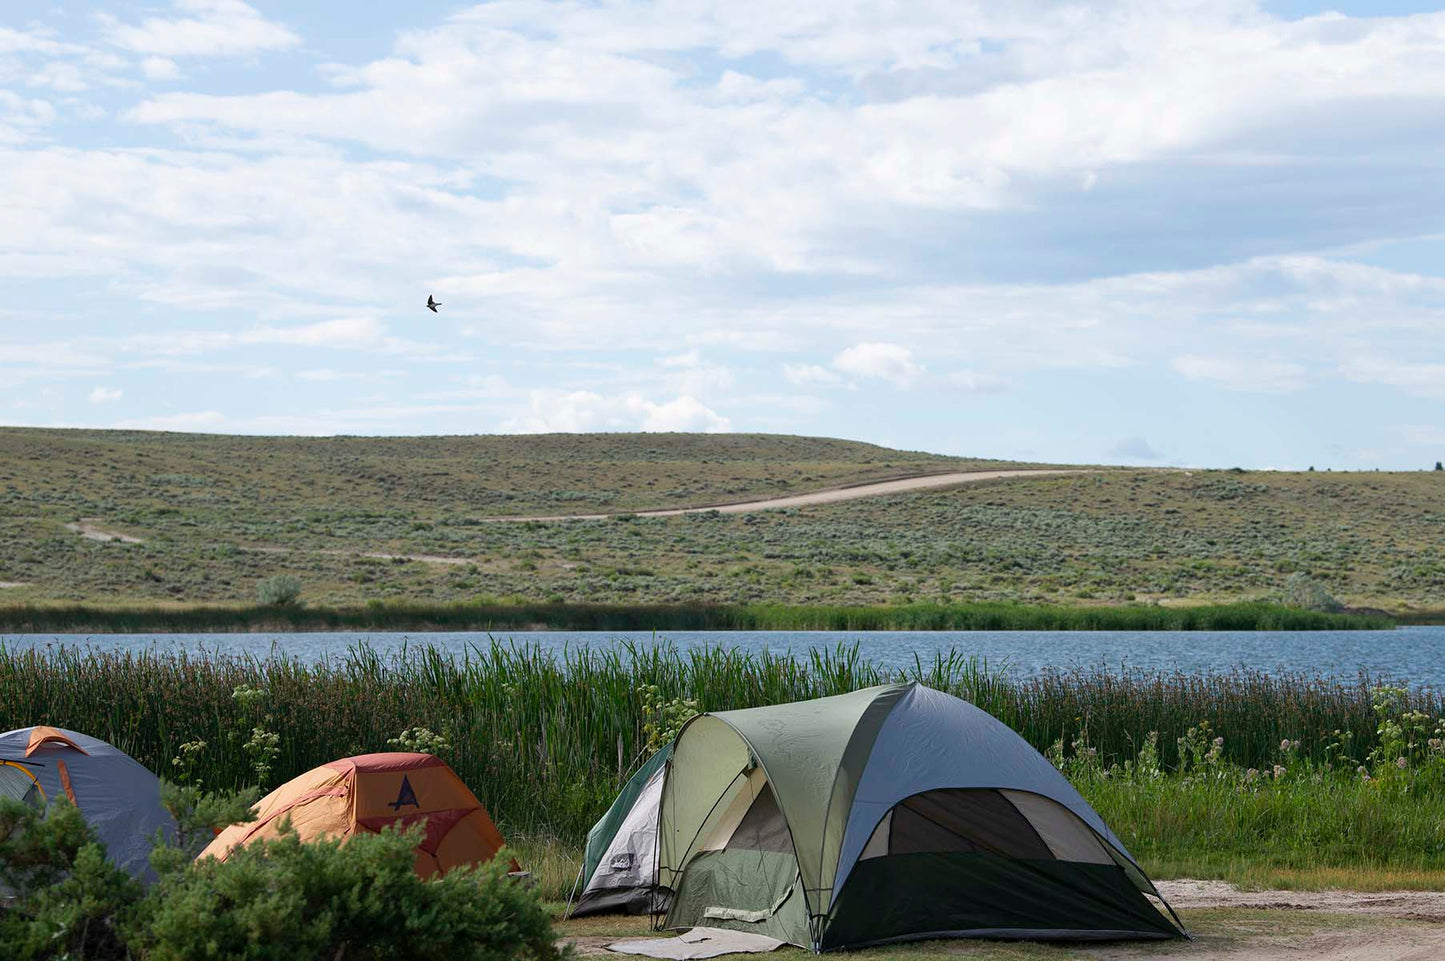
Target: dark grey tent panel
[953, 848]
[916, 896]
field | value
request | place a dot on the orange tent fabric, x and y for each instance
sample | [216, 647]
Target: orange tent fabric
[41, 736]
[370, 792]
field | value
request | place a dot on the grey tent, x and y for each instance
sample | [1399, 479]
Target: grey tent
[619, 865]
[119, 798]
[888, 814]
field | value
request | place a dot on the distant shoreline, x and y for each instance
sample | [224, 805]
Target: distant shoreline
[422, 617]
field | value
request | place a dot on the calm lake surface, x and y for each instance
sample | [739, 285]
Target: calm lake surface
[1415, 655]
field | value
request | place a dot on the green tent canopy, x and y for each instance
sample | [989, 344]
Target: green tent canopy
[886, 814]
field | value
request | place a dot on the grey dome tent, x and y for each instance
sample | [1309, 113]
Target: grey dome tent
[119, 798]
[620, 861]
[888, 814]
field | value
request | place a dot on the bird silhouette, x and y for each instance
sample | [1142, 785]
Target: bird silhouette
[432, 305]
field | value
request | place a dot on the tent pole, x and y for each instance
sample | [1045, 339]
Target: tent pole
[573, 893]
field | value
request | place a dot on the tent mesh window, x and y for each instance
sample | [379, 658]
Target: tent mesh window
[1005, 824]
[18, 784]
[763, 827]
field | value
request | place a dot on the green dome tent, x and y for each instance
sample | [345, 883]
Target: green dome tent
[888, 814]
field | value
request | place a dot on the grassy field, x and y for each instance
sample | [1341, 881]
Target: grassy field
[546, 743]
[215, 515]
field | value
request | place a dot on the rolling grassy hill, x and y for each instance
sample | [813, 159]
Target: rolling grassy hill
[215, 514]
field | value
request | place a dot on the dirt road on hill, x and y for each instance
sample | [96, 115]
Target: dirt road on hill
[87, 527]
[831, 495]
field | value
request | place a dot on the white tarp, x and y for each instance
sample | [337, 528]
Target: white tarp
[698, 943]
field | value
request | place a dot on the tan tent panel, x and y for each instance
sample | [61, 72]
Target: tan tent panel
[371, 792]
[42, 735]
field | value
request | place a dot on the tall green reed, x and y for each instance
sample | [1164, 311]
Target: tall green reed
[547, 740]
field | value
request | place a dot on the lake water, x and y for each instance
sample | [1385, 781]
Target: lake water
[1415, 655]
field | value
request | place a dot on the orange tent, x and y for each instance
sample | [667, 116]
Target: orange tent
[367, 793]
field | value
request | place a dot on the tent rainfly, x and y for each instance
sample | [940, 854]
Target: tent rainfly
[619, 862]
[368, 793]
[118, 797]
[889, 814]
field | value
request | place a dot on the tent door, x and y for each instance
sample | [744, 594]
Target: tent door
[750, 884]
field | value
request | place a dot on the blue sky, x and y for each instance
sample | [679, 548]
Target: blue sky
[1163, 232]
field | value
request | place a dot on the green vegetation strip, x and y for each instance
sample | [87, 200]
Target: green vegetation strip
[546, 741]
[401, 616]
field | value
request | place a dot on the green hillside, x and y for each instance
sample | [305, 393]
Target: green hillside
[216, 514]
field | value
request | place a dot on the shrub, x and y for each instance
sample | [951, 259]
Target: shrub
[68, 899]
[361, 900]
[279, 590]
[277, 899]
[1301, 590]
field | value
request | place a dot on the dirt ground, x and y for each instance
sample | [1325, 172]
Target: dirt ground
[1227, 924]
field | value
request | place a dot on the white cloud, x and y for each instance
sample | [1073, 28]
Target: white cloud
[576, 179]
[1423, 435]
[160, 68]
[976, 382]
[1423, 380]
[381, 419]
[551, 411]
[1242, 373]
[347, 332]
[693, 358]
[806, 374]
[105, 395]
[890, 362]
[212, 28]
[192, 421]
[1135, 449]
[326, 375]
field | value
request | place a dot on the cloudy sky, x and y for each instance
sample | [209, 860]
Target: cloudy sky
[1155, 232]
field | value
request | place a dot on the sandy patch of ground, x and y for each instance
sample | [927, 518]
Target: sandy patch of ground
[1409, 905]
[424, 558]
[86, 528]
[830, 496]
[5, 584]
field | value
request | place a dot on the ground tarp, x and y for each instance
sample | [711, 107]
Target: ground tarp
[698, 943]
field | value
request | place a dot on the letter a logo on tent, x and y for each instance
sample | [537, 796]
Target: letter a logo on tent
[405, 796]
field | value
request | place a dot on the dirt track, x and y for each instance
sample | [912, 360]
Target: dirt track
[86, 528]
[830, 496]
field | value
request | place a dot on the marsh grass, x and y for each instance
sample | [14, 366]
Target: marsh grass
[546, 741]
[986, 616]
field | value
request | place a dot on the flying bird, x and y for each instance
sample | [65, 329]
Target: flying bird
[432, 305]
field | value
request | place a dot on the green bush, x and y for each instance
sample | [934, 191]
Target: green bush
[69, 901]
[277, 899]
[279, 590]
[287, 899]
[1303, 591]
